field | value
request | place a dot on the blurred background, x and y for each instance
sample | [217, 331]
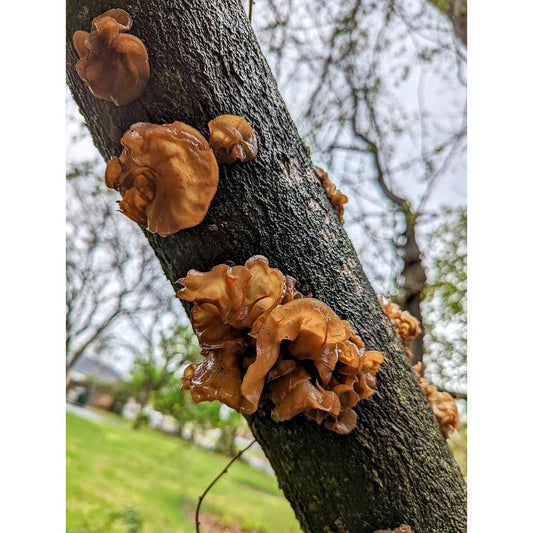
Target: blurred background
[378, 92]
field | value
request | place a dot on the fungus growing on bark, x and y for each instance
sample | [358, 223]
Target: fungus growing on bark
[313, 363]
[405, 324]
[113, 64]
[167, 176]
[240, 294]
[442, 403]
[404, 528]
[335, 196]
[218, 377]
[294, 393]
[227, 300]
[314, 332]
[232, 138]
[269, 343]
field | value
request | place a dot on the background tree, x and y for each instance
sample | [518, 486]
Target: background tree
[444, 305]
[171, 400]
[456, 11]
[114, 286]
[376, 476]
[155, 368]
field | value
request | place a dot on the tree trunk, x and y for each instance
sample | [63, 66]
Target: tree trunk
[413, 282]
[395, 467]
[139, 417]
[226, 441]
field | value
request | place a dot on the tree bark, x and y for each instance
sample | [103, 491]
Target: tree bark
[143, 400]
[395, 467]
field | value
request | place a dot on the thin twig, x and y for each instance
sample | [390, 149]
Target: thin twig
[250, 8]
[197, 516]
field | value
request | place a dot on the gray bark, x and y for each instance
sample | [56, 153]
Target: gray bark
[395, 467]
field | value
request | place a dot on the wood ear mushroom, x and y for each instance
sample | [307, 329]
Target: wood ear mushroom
[231, 137]
[263, 341]
[113, 64]
[167, 176]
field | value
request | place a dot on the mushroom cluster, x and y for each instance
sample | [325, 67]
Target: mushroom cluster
[335, 196]
[442, 403]
[262, 340]
[167, 175]
[113, 64]
[405, 324]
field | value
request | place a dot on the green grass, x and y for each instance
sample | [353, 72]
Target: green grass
[458, 445]
[111, 467]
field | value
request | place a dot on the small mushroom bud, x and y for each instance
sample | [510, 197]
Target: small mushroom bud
[113, 64]
[442, 403]
[335, 196]
[404, 528]
[405, 324]
[167, 176]
[232, 138]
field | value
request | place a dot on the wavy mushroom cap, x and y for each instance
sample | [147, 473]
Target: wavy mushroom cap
[405, 324]
[113, 64]
[344, 423]
[218, 377]
[232, 138]
[210, 328]
[291, 293]
[167, 176]
[240, 293]
[315, 333]
[294, 393]
[442, 403]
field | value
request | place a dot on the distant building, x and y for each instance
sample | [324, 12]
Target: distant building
[91, 382]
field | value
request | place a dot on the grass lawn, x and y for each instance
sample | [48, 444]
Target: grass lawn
[458, 445]
[112, 468]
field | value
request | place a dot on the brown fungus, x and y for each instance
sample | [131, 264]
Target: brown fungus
[404, 528]
[335, 196]
[218, 377]
[314, 336]
[239, 293]
[405, 324]
[263, 341]
[295, 393]
[232, 138]
[167, 176]
[227, 300]
[442, 403]
[315, 333]
[113, 64]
